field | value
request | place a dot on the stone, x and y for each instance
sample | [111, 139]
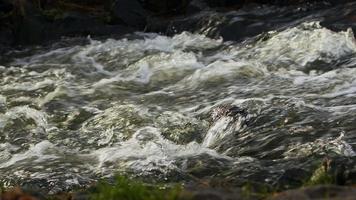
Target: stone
[130, 13]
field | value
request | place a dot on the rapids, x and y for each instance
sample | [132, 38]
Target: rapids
[72, 114]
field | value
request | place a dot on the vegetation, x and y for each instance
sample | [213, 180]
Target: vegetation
[127, 189]
[123, 188]
[321, 175]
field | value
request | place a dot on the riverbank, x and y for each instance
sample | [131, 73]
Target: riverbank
[34, 22]
[125, 189]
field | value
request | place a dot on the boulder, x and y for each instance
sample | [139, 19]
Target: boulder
[130, 13]
[5, 30]
[195, 6]
[35, 26]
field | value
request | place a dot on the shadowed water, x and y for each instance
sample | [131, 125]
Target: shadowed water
[71, 115]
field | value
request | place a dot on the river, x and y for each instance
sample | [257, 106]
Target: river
[84, 109]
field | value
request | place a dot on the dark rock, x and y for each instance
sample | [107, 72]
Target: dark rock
[5, 7]
[224, 3]
[130, 13]
[343, 170]
[196, 6]
[242, 28]
[166, 7]
[345, 18]
[35, 27]
[29, 25]
[292, 178]
[206, 22]
[248, 21]
[329, 192]
[5, 36]
[77, 24]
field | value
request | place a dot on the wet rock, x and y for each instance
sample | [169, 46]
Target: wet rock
[181, 129]
[227, 111]
[204, 165]
[241, 28]
[176, 25]
[232, 26]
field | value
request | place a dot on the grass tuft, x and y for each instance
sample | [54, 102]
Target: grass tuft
[127, 189]
[321, 175]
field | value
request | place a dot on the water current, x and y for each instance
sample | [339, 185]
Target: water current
[144, 106]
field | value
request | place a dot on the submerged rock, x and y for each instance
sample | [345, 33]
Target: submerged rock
[181, 129]
[117, 123]
[227, 120]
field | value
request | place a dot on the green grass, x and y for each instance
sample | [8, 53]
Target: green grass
[126, 189]
[321, 176]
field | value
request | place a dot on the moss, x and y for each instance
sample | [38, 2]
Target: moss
[124, 188]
